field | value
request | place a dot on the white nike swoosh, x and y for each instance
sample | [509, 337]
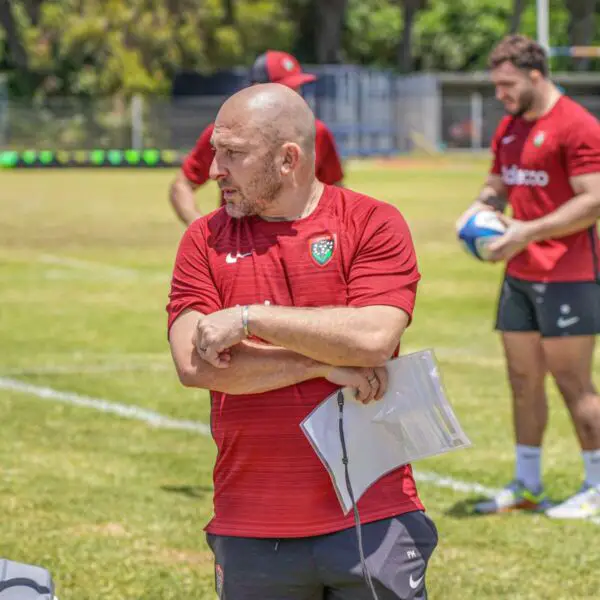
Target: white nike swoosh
[230, 258]
[508, 139]
[562, 322]
[415, 583]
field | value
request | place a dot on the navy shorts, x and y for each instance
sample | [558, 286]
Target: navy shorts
[554, 309]
[327, 567]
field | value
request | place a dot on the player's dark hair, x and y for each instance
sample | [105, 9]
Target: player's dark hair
[523, 52]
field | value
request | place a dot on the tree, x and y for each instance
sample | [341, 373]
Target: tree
[581, 26]
[373, 28]
[410, 9]
[330, 16]
[107, 47]
[517, 13]
[458, 35]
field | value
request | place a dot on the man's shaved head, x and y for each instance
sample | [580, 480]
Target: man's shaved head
[264, 140]
[272, 112]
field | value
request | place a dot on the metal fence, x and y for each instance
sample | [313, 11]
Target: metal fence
[370, 113]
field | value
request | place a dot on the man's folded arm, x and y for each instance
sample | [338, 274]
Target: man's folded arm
[254, 368]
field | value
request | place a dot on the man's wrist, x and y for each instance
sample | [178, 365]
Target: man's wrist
[534, 230]
[319, 370]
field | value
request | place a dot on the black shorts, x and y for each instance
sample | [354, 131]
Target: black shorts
[554, 309]
[397, 552]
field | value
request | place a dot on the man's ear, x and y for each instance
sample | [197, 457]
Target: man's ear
[291, 158]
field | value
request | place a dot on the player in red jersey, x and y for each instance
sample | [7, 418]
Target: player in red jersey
[288, 292]
[547, 166]
[274, 67]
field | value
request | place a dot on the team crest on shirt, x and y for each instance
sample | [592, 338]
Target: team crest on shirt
[538, 140]
[322, 248]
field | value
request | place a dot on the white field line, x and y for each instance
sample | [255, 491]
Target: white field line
[97, 268]
[85, 370]
[163, 422]
[123, 410]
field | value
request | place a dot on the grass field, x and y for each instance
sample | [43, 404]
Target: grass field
[115, 506]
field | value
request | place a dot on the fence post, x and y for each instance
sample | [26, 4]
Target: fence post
[477, 120]
[137, 122]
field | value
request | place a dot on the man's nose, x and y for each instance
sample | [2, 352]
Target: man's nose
[216, 171]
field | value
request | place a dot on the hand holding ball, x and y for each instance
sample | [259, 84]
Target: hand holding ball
[479, 231]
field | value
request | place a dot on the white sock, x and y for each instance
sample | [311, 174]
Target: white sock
[529, 467]
[591, 462]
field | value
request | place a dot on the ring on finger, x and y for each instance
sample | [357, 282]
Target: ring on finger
[372, 379]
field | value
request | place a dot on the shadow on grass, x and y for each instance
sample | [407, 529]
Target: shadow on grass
[191, 491]
[465, 508]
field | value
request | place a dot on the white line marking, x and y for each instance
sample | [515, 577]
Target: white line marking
[123, 410]
[77, 263]
[161, 421]
[93, 268]
[84, 370]
[454, 484]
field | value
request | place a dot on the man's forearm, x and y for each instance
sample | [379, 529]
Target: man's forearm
[490, 198]
[355, 337]
[183, 201]
[253, 369]
[579, 213]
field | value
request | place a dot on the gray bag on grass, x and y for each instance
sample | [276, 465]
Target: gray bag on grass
[20, 581]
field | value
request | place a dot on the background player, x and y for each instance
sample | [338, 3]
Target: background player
[547, 166]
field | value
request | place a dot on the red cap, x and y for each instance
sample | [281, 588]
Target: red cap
[279, 67]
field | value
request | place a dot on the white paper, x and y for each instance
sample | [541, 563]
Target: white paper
[413, 420]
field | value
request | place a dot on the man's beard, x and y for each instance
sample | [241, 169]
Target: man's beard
[264, 190]
[525, 103]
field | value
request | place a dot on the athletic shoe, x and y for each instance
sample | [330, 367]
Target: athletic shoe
[583, 505]
[515, 496]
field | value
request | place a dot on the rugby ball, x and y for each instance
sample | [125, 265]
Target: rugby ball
[480, 229]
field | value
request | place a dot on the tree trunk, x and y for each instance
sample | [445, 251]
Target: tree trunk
[18, 55]
[229, 7]
[581, 27]
[330, 16]
[410, 8]
[517, 13]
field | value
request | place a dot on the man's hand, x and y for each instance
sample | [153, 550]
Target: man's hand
[217, 333]
[370, 384]
[514, 240]
[472, 210]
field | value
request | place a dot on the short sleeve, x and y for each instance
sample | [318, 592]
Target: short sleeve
[192, 285]
[582, 145]
[196, 165]
[328, 167]
[384, 269]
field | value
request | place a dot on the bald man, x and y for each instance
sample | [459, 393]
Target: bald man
[287, 293]
[275, 67]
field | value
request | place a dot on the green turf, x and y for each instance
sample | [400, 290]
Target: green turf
[115, 508]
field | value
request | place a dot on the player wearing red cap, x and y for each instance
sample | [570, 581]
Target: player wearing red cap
[271, 67]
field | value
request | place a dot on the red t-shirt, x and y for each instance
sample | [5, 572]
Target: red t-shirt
[268, 480]
[328, 166]
[536, 160]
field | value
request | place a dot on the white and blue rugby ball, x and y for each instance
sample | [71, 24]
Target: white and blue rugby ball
[481, 228]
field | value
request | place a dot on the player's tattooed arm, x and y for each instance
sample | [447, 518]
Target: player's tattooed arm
[491, 197]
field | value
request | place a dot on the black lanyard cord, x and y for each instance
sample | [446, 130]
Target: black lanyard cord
[361, 552]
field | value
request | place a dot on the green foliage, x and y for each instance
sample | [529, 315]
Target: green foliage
[373, 31]
[103, 47]
[457, 35]
[108, 47]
